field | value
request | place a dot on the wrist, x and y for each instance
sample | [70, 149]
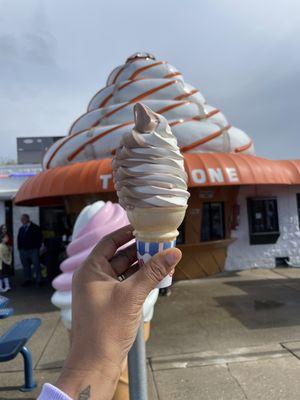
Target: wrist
[80, 382]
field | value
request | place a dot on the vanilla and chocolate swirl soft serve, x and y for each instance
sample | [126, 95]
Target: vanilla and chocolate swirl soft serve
[148, 166]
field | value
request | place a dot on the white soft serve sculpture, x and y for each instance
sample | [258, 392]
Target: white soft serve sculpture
[197, 126]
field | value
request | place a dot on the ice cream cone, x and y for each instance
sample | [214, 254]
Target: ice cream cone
[156, 224]
[155, 231]
[151, 184]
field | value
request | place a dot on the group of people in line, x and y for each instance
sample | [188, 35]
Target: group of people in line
[29, 242]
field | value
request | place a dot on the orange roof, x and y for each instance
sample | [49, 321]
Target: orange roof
[206, 169]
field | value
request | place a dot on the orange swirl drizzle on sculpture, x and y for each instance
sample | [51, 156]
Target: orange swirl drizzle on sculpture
[133, 78]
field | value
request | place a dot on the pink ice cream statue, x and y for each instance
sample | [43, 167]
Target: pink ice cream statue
[93, 223]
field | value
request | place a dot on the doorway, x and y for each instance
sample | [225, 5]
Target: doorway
[212, 227]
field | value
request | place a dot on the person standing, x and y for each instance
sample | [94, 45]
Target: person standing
[4, 230]
[29, 242]
[5, 262]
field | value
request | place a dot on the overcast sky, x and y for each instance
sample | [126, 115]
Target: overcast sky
[243, 55]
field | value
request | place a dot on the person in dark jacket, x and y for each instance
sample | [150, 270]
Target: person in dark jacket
[29, 242]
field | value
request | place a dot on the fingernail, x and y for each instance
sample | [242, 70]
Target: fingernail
[171, 258]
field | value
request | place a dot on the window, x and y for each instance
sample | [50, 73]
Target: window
[54, 222]
[212, 227]
[263, 220]
[298, 207]
[181, 237]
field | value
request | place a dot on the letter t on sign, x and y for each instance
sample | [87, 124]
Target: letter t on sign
[105, 180]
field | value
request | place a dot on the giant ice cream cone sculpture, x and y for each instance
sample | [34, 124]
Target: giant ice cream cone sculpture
[81, 161]
[151, 183]
[198, 126]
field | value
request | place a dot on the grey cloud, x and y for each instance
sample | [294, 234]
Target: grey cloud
[243, 56]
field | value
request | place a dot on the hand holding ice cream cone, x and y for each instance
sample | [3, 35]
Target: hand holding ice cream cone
[107, 313]
[151, 183]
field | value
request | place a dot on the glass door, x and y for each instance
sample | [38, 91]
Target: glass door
[212, 226]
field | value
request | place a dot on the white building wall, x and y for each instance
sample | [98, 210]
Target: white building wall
[34, 214]
[242, 255]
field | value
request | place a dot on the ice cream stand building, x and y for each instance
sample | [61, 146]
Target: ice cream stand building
[243, 211]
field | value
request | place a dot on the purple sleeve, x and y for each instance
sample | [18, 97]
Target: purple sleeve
[50, 392]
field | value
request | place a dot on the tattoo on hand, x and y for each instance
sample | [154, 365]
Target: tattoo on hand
[85, 394]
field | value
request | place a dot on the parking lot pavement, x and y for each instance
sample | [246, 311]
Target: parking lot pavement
[234, 336]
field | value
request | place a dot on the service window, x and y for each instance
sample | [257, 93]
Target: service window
[263, 220]
[212, 227]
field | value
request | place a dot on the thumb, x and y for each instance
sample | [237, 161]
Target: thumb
[159, 266]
